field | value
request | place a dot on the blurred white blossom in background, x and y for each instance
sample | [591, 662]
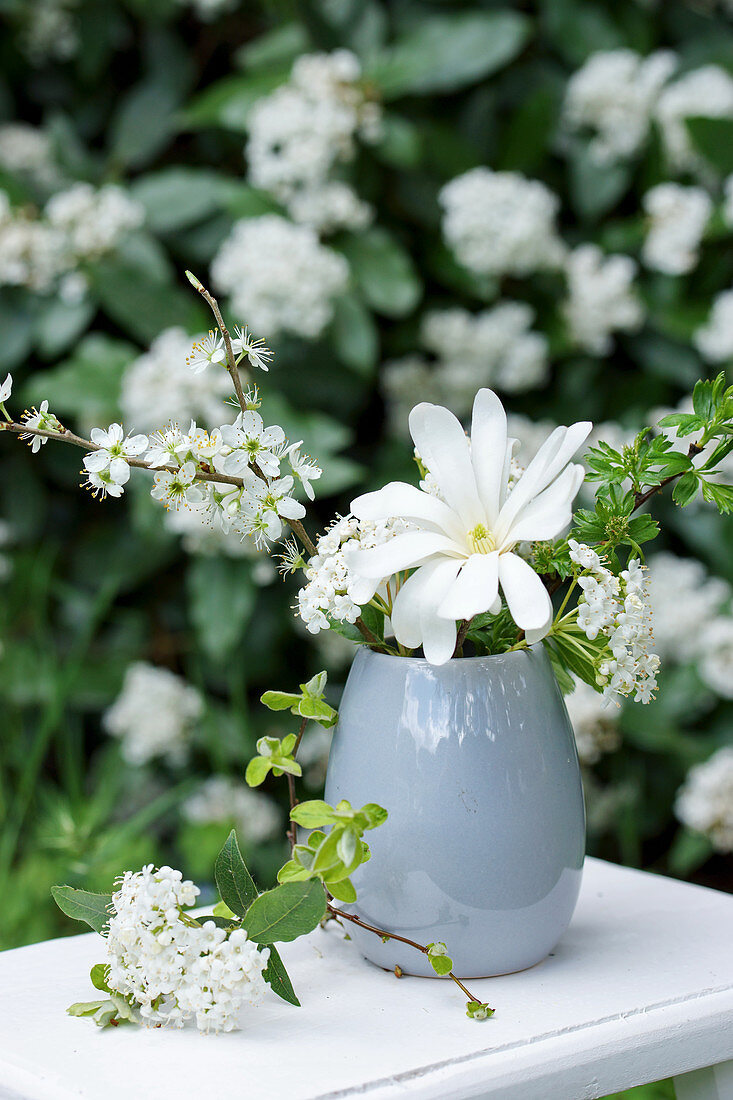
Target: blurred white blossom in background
[614, 95]
[707, 91]
[154, 714]
[157, 387]
[303, 130]
[594, 722]
[684, 598]
[714, 340]
[501, 223]
[677, 220]
[705, 800]
[27, 150]
[716, 656]
[221, 799]
[279, 276]
[602, 298]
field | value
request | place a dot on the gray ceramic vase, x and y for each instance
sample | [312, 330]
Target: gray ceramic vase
[476, 763]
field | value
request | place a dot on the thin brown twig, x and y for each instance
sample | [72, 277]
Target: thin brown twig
[231, 363]
[382, 933]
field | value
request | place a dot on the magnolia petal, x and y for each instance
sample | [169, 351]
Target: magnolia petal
[526, 596]
[488, 450]
[537, 635]
[550, 460]
[407, 604]
[438, 634]
[443, 447]
[474, 589]
[550, 512]
[398, 498]
[402, 552]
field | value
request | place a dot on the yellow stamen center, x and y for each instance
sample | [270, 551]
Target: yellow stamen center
[481, 541]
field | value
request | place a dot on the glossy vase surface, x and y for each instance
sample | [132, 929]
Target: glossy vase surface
[476, 763]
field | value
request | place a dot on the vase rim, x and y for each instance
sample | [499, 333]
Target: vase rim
[422, 662]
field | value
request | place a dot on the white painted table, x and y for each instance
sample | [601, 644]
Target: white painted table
[641, 988]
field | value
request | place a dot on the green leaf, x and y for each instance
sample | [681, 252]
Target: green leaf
[257, 770]
[719, 495]
[98, 975]
[143, 305]
[88, 1008]
[596, 187]
[233, 880]
[685, 489]
[144, 123]
[441, 964]
[287, 912]
[177, 197]
[342, 890]
[384, 272]
[443, 53]
[477, 1010]
[312, 814]
[279, 700]
[354, 335]
[713, 137]
[87, 384]
[278, 978]
[228, 102]
[93, 909]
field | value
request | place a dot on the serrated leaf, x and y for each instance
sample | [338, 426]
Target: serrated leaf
[685, 490]
[233, 880]
[93, 909]
[290, 910]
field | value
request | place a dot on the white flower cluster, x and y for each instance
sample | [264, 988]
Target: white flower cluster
[593, 723]
[677, 220]
[173, 968]
[614, 95]
[705, 800]
[684, 598]
[49, 31]
[223, 800]
[208, 10]
[601, 298]
[153, 715]
[82, 223]
[279, 276]
[333, 591]
[303, 130]
[706, 92]
[617, 607]
[501, 223]
[156, 387]
[714, 339]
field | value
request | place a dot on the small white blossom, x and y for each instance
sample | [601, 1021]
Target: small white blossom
[256, 351]
[40, 419]
[501, 223]
[208, 349]
[179, 489]
[279, 276]
[705, 800]
[6, 389]
[154, 714]
[248, 442]
[266, 506]
[304, 469]
[111, 457]
[613, 95]
[677, 220]
[601, 298]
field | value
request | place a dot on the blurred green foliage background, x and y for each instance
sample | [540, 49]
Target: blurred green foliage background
[155, 96]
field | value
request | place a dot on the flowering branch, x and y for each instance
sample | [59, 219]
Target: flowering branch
[230, 360]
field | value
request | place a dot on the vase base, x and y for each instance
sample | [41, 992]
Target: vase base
[405, 973]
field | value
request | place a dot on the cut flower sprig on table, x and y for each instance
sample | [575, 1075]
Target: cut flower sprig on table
[482, 557]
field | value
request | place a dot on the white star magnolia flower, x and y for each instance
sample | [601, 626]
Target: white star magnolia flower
[463, 545]
[113, 451]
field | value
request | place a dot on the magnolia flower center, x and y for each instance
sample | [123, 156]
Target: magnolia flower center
[480, 540]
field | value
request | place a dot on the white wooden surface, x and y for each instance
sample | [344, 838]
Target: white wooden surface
[640, 988]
